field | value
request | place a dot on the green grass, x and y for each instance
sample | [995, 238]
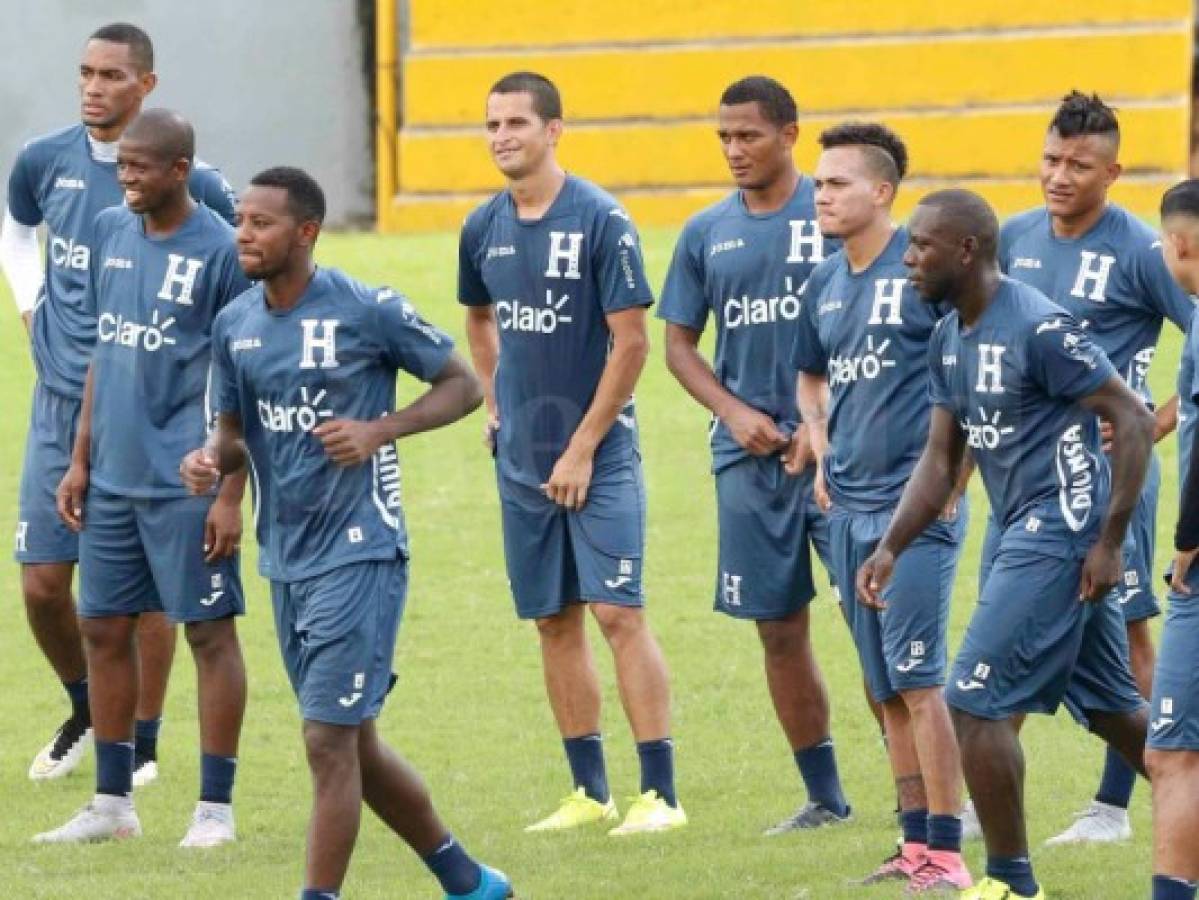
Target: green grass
[470, 713]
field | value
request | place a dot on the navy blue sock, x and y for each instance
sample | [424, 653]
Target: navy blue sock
[114, 768]
[1015, 872]
[818, 768]
[1115, 788]
[657, 768]
[914, 823]
[945, 833]
[586, 757]
[1167, 888]
[318, 894]
[145, 738]
[77, 691]
[216, 778]
[452, 866]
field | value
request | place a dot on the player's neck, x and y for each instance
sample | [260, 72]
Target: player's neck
[772, 197]
[1076, 226]
[168, 218]
[283, 291]
[863, 248]
[534, 194]
[974, 298]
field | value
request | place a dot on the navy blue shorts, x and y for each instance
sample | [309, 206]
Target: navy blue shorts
[1174, 709]
[768, 523]
[1032, 643]
[139, 556]
[1137, 600]
[557, 556]
[42, 537]
[337, 634]
[903, 647]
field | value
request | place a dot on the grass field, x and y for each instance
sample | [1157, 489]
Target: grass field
[469, 709]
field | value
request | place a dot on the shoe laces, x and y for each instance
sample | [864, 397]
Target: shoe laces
[928, 874]
[69, 734]
[207, 814]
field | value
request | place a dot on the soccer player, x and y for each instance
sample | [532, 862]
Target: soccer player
[1015, 379]
[746, 261]
[163, 266]
[1104, 266]
[304, 388]
[64, 179]
[862, 344]
[1172, 750]
[551, 274]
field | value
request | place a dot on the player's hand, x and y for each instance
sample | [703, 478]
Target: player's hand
[755, 431]
[491, 431]
[798, 455]
[1182, 565]
[820, 489]
[1100, 572]
[27, 318]
[873, 576]
[222, 530]
[949, 512]
[199, 471]
[350, 442]
[568, 483]
[1106, 433]
[69, 497]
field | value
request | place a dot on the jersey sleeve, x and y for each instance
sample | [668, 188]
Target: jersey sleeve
[22, 191]
[939, 393]
[222, 379]
[232, 280]
[472, 291]
[809, 353]
[1191, 349]
[683, 299]
[409, 342]
[617, 263]
[1159, 288]
[1003, 254]
[210, 188]
[1064, 361]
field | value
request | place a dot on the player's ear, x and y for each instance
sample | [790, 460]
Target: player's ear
[790, 134]
[182, 168]
[884, 193]
[554, 129]
[309, 231]
[1113, 172]
[149, 81]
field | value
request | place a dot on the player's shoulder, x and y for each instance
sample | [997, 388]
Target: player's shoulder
[346, 290]
[591, 202]
[212, 221]
[1022, 223]
[239, 308]
[116, 219]
[700, 223]
[824, 272]
[1029, 312]
[479, 219]
[46, 147]
[1125, 229]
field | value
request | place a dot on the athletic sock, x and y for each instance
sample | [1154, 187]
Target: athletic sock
[145, 738]
[216, 778]
[945, 833]
[1115, 788]
[1015, 872]
[77, 691]
[1167, 888]
[818, 768]
[318, 894]
[657, 768]
[586, 757]
[914, 823]
[114, 768]
[453, 868]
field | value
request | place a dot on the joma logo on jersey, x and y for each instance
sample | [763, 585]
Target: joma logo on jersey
[1076, 467]
[71, 184]
[739, 312]
[1093, 270]
[805, 235]
[869, 365]
[564, 247]
[978, 679]
[512, 315]
[116, 329]
[320, 339]
[67, 254]
[117, 262]
[725, 246]
[303, 416]
[180, 276]
[987, 434]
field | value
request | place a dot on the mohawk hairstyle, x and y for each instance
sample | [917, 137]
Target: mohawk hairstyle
[885, 147]
[1081, 115]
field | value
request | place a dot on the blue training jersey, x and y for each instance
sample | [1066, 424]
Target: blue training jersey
[56, 180]
[154, 300]
[552, 282]
[334, 355]
[1188, 394]
[1112, 280]
[748, 271]
[868, 333]
[1012, 382]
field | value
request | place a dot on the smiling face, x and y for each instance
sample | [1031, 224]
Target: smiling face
[111, 88]
[147, 176]
[758, 152]
[1076, 173]
[520, 141]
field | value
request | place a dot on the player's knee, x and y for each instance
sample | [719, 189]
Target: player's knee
[1165, 765]
[47, 589]
[784, 639]
[211, 639]
[919, 701]
[331, 749]
[618, 623]
[107, 638]
[564, 626]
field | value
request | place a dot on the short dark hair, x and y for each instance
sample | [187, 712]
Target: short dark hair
[775, 101]
[169, 135]
[305, 199]
[969, 215]
[1181, 200]
[141, 49]
[884, 147]
[547, 102]
[1080, 115]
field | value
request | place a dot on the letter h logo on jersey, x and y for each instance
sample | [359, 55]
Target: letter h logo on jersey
[564, 246]
[888, 295]
[813, 241]
[320, 339]
[1095, 272]
[181, 273]
[990, 369]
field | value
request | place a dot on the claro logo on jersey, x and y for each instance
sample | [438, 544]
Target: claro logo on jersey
[868, 365]
[66, 254]
[1076, 470]
[303, 416]
[512, 315]
[113, 328]
[742, 311]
